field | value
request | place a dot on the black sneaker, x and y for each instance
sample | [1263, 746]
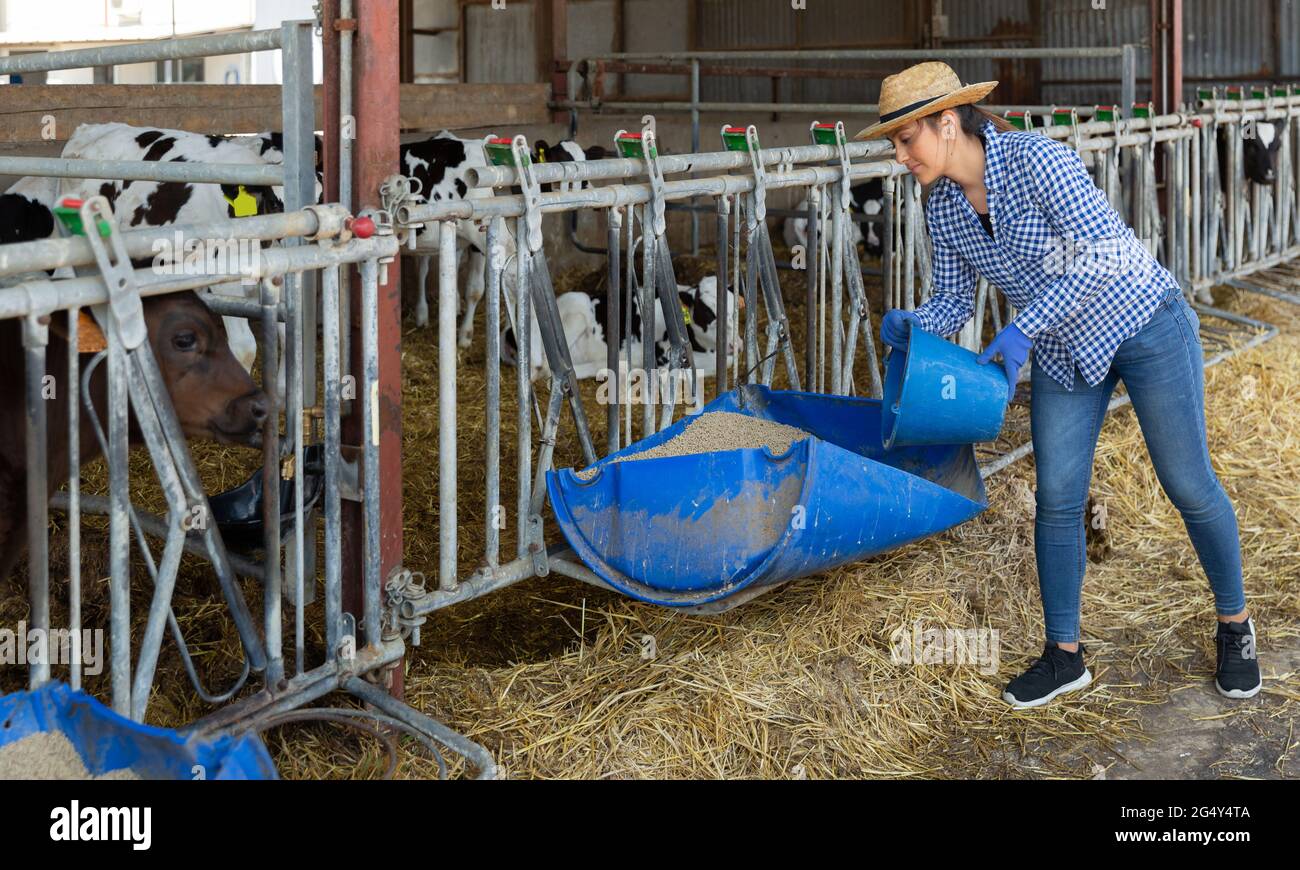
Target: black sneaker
[1237, 674]
[1055, 672]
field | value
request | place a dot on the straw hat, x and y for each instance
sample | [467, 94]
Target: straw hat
[919, 90]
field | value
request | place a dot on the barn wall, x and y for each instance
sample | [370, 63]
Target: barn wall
[500, 45]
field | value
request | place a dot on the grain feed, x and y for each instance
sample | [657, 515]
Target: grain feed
[49, 755]
[718, 430]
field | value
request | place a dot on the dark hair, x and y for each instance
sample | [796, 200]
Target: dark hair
[972, 119]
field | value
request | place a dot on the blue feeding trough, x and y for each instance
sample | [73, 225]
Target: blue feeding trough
[936, 393]
[107, 742]
[711, 530]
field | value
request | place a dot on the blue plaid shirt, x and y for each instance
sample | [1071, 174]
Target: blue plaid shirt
[1078, 276]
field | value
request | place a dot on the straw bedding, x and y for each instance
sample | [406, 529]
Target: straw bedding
[560, 679]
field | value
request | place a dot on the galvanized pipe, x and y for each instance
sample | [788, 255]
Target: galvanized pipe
[119, 581]
[146, 392]
[628, 194]
[55, 253]
[494, 509]
[370, 429]
[670, 164]
[260, 174]
[35, 337]
[613, 325]
[74, 494]
[143, 52]
[724, 300]
[271, 587]
[330, 304]
[524, 389]
[81, 292]
[297, 421]
[1017, 53]
[447, 301]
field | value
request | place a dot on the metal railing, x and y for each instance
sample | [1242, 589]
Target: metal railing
[1181, 236]
[301, 287]
[587, 74]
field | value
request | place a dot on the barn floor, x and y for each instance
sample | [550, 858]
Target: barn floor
[550, 674]
[554, 676]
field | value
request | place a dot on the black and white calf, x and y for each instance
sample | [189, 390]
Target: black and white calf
[152, 203]
[867, 198]
[440, 164]
[25, 210]
[566, 151]
[584, 316]
[1258, 152]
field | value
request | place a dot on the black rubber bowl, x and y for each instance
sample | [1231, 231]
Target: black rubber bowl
[238, 511]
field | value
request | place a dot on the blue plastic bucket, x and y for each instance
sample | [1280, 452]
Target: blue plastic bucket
[936, 393]
[107, 742]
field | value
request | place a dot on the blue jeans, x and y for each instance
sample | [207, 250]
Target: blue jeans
[1163, 369]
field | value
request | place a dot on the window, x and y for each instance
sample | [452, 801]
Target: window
[188, 69]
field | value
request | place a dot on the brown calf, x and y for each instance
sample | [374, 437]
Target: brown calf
[213, 395]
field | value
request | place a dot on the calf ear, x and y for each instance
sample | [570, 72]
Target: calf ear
[90, 339]
[702, 314]
[596, 152]
[267, 201]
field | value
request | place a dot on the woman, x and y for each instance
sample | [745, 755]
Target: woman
[1097, 308]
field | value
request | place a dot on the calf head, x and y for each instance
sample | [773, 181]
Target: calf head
[566, 151]
[1259, 153]
[261, 199]
[213, 395]
[23, 219]
[704, 317]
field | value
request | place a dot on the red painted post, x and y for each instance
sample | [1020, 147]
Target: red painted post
[375, 105]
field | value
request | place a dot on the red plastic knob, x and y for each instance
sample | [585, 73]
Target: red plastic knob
[362, 227]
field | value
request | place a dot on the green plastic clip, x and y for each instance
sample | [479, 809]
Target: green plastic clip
[1021, 120]
[824, 134]
[69, 211]
[631, 146]
[734, 139]
[499, 151]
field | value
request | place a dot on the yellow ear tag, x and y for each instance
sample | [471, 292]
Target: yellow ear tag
[541, 155]
[244, 203]
[686, 313]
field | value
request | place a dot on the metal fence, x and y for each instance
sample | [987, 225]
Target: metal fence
[586, 80]
[300, 282]
[1204, 237]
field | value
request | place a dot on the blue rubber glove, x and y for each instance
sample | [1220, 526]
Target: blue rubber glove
[893, 330]
[1014, 346]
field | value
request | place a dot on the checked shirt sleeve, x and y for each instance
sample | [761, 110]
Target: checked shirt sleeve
[1079, 214]
[952, 299]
